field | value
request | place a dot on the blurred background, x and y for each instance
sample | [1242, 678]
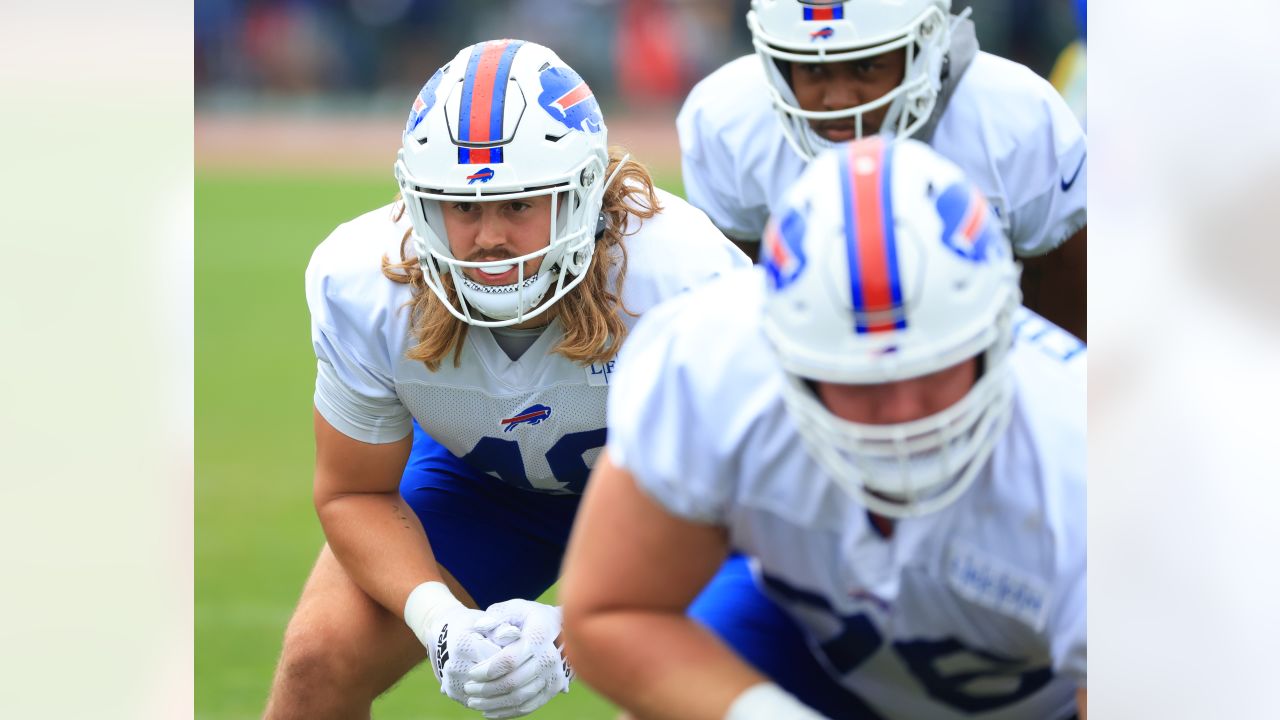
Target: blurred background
[374, 53]
[293, 67]
[299, 107]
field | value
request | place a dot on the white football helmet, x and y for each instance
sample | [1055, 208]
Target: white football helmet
[821, 31]
[884, 264]
[503, 120]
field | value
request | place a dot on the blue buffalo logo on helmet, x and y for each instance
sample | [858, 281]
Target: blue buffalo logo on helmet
[783, 256]
[567, 98]
[531, 415]
[424, 102]
[967, 227]
[823, 33]
[482, 176]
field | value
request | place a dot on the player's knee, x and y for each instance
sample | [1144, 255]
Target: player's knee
[316, 678]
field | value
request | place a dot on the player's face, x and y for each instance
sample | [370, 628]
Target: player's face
[498, 230]
[822, 87]
[902, 401]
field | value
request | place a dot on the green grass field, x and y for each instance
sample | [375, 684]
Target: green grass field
[256, 531]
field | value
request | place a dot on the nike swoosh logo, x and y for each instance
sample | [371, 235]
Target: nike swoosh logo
[1066, 184]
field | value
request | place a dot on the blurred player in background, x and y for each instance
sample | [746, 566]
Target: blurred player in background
[827, 72]
[485, 307]
[1070, 70]
[897, 444]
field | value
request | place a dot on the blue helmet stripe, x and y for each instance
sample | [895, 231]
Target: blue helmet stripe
[468, 88]
[890, 236]
[851, 241]
[500, 90]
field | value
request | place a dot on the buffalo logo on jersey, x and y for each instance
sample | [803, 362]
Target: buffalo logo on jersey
[822, 34]
[424, 102]
[484, 101]
[823, 10]
[966, 224]
[482, 176]
[783, 256]
[875, 282]
[566, 98]
[532, 415]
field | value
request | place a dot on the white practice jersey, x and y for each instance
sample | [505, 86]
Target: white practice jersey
[976, 610]
[1006, 127]
[537, 422]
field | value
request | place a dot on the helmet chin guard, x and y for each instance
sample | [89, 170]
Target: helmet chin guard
[505, 120]
[811, 31]
[884, 264]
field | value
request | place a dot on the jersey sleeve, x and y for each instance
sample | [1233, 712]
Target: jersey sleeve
[1067, 618]
[710, 175]
[1068, 627]
[1047, 176]
[655, 425]
[355, 390]
[1051, 370]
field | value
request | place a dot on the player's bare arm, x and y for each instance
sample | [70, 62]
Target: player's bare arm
[1056, 284]
[377, 539]
[346, 642]
[750, 248]
[384, 550]
[625, 624]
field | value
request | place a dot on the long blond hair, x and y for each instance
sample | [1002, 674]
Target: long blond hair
[593, 330]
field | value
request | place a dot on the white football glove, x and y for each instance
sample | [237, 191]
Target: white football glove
[528, 671]
[446, 628]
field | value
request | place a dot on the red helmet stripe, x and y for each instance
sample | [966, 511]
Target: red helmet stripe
[483, 92]
[866, 167]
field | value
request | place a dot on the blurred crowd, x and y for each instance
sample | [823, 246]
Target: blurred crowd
[635, 53]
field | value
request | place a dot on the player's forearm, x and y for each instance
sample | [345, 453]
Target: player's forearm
[380, 544]
[648, 662]
[1056, 285]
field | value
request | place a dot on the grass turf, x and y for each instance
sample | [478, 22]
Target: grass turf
[256, 531]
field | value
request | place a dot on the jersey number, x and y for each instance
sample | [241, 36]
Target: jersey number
[504, 459]
[965, 678]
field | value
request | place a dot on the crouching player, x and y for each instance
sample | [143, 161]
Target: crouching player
[897, 445]
[487, 305]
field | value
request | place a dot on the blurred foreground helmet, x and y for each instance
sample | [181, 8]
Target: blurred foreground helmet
[818, 31]
[885, 264]
[503, 120]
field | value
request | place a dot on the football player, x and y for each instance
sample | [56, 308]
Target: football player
[475, 322]
[895, 442]
[1070, 71]
[826, 72]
